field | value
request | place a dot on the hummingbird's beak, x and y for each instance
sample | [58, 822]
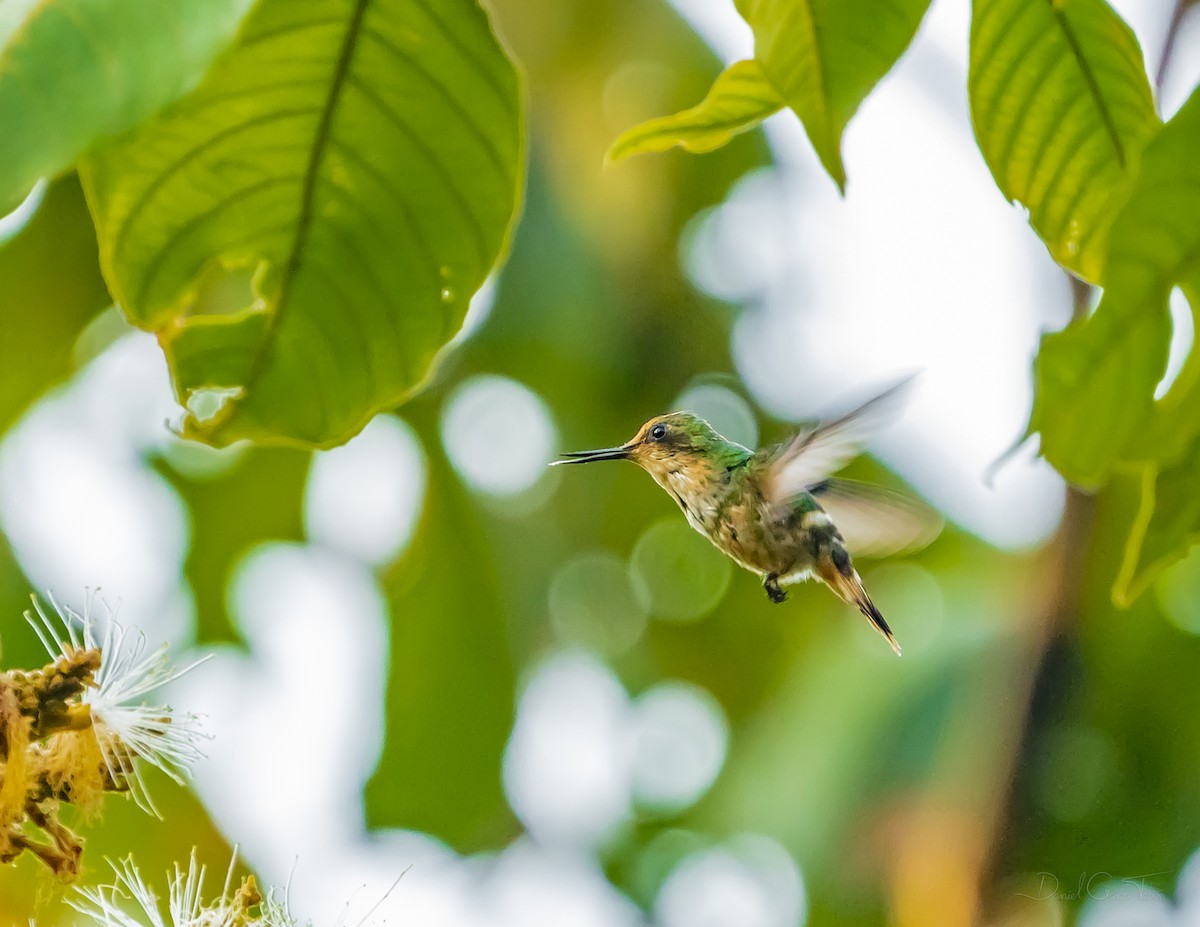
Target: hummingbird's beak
[607, 453]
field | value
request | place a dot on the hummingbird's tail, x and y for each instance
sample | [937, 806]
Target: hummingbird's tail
[837, 572]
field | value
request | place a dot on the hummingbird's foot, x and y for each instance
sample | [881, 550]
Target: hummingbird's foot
[774, 592]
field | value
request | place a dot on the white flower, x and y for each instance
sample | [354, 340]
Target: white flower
[124, 726]
[185, 904]
[100, 904]
[129, 902]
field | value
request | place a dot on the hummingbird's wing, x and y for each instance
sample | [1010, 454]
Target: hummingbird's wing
[814, 453]
[877, 522]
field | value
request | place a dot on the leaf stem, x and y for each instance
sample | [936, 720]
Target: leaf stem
[1168, 51]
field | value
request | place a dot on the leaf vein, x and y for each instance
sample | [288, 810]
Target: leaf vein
[333, 282]
[341, 73]
[255, 91]
[188, 157]
[489, 78]
[1090, 79]
[163, 252]
[434, 162]
[405, 209]
[1025, 111]
[290, 28]
[382, 294]
[451, 101]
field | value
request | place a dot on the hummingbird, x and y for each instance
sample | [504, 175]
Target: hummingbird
[778, 511]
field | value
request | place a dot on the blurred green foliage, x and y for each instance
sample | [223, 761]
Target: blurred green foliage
[1028, 729]
[54, 306]
[77, 73]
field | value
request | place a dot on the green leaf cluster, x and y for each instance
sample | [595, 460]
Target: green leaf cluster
[298, 198]
[837, 751]
[819, 57]
[1115, 196]
[75, 72]
[1065, 118]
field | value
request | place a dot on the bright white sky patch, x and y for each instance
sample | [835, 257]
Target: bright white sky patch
[722, 408]
[531, 886]
[79, 504]
[498, 435]
[1111, 903]
[316, 627]
[749, 882]
[720, 26]
[923, 266]
[16, 220]
[1184, 73]
[680, 741]
[1183, 337]
[365, 496]
[478, 311]
[567, 766]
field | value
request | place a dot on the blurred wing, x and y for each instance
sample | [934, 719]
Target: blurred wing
[816, 452]
[877, 522]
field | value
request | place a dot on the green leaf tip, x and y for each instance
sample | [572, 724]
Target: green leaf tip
[821, 58]
[740, 98]
[825, 56]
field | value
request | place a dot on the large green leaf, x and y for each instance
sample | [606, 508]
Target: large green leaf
[1095, 380]
[824, 56]
[820, 57]
[73, 72]
[1062, 108]
[739, 100]
[356, 164]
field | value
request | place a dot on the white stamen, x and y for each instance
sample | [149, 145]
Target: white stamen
[185, 903]
[100, 903]
[124, 727]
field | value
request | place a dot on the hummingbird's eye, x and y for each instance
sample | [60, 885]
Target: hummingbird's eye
[658, 432]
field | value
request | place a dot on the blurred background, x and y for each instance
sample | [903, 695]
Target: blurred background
[536, 694]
